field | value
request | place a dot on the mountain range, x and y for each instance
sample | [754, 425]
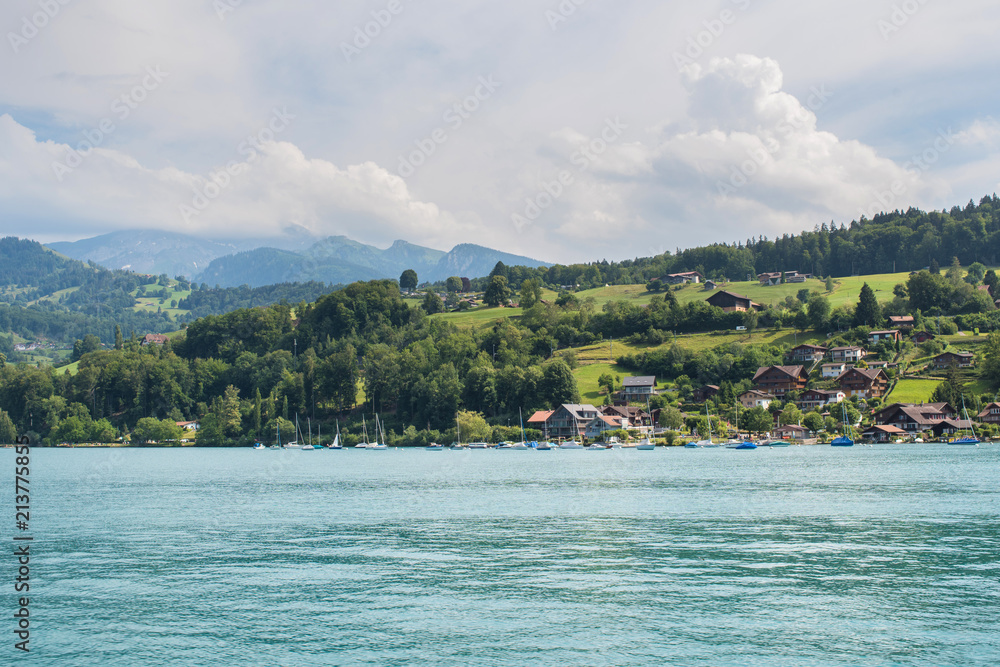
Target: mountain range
[293, 258]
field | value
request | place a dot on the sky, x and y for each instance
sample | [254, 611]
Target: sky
[564, 130]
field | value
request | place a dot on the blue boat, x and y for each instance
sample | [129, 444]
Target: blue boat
[692, 445]
[842, 441]
[965, 440]
[745, 445]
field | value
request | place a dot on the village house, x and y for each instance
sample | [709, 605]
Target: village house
[849, 355]
[189, 426]
[682, 278]
[833, 370]
[864, 382]
[711, 285]
[990, 414]
[630, 415]
[779, 380]
[756, 399]
[914, 418]
[904, 322]
[879, 336]
[957, 359]
[154, 339]
[817, 398]
[638, 388]
[769, 279]
[702, 394]
[922, 337]
[796, 277]
[601, 424]
[791, 431]
[807, 353]
[732, 302]
[566, 421]
[878, 433]
[950, 427]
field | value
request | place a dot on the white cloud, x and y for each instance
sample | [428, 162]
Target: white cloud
[983, 131]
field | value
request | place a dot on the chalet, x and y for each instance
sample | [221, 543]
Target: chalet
[990, 414]
[806, 353]
[880, 364]
[848, 355]
[702, 394]
[732, 302]
[629, 415]
[756, 399]
[950, 427]
[879, 336]
[566, 421]
[883, 433]
[864, 382]
[901, 321]
[833, 370]
[154, 339]
[769, 279]
[779, 380]
[711, 285]
[817, 398]
[601, 424]
[922, 337]
[189, 426]
[948, 359]
[638, 387]
[682, 278]
[914, 418]
[790, 431]
[796, 277]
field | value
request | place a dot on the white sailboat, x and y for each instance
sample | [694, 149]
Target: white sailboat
[296, 444]
[336, 439]
[379, 444]
[647, 444]
[364, 441]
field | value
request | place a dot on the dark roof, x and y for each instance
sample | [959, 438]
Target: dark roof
[810, 347]
[639, 381]
[793, 371]
[870, 373]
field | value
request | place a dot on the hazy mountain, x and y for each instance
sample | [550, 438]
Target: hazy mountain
[150, 251]
[338, 259]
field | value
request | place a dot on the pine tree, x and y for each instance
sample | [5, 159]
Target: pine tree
[868, 312]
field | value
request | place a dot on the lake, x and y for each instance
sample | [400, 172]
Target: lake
[886, 555]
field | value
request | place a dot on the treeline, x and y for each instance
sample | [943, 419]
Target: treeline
[890, 242]
[205, 301]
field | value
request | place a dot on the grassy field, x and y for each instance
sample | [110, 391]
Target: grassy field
[160, 297]
[478, 316]
[586, 379]
[912, 391]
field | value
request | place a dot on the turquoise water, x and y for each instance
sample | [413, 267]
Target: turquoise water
[798, 556]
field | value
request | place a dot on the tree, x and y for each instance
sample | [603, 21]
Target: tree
[8, 432]
[868, 313]
[976, 273]
[90, 343]
[757, 420]
[607, 381]
[497, 293]
[432, 303]
[791, 414]
[954, 272]
[818, 309]
[750, 320]
[473, 426]
[531, 293]
[813, 421]
[119, 340]
[992, 281]
[152, 430]
[989, 370]
[829, 285]
[453, 284]
[671, 418]
[558, 384]
[500, 269]
[408, 280]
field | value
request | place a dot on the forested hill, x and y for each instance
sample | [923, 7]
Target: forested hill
[891, 242]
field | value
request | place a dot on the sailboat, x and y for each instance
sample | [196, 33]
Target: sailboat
[523, 444]
[277, 430]
[379, 444]
[708, 441]
[296, 444]
[336, 439]
[259, 445]
[737, 443]
[364, 444]
[843, 440]
[966, 439]
[647, 444]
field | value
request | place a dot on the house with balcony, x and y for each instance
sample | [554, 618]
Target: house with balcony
[805, 354]
[779, 380]
[990, 414]
[732, 302]
[756, 399]
[601, 424]
[956, 359]
[769, 279]
[638, 388]
[879, 433]
[832, 371]
[902, 322]
[682, 278]
[913, 417]
[893, 335]
[817, 398]
[851, 354]
[566, 421]
[864, 382]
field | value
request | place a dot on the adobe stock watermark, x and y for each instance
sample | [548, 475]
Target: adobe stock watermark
[741, 174]
[364, 34]
[122, 108]
[582, 159]
[899, 16]
[714, 28]
[562, 12]
[917, 165]
[224, 7]
[31, 26]
[455, 116]
[209, 190]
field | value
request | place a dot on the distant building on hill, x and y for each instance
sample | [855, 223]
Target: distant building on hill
[154, 339]
[732, 302]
